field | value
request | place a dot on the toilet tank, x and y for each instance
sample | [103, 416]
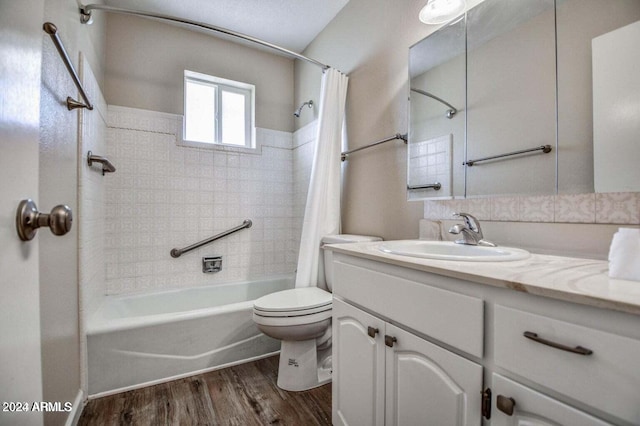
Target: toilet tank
[328, 254]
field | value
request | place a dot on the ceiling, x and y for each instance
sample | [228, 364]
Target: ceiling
[292, 24]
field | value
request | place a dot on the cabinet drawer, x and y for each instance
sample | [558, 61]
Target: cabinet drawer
[452, 318]
[534, 408]
[607, 379]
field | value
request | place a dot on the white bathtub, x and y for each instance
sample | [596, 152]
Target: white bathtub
[135, 341]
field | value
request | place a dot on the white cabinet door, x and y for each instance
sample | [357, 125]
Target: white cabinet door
[358, 367]
[531, 408]
[428, 385]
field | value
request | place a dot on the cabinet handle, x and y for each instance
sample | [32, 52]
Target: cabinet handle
[372, 331]
[577, 350]
[389, 341]
[506, 404]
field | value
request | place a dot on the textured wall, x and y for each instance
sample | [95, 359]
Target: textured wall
[58, 260]
[59, 180]
[146, 61]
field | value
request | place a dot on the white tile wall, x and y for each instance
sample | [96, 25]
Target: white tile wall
[164, 196]
[611, 208]
[303, 151]
[430, 161]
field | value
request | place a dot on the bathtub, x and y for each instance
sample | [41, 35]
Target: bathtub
[139, 340]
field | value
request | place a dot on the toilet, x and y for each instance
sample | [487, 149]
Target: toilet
[301, 319]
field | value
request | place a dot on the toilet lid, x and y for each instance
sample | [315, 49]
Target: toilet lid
[294, 300]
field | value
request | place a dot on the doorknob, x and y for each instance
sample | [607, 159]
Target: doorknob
[29, 219]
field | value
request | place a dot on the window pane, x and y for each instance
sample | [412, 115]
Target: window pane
[233, 118]
[200, 112]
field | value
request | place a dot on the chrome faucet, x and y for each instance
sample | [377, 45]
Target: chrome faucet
[471, 233]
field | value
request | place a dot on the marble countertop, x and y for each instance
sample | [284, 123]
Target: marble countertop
[583, 281]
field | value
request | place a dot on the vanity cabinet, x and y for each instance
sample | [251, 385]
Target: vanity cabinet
[384, 375]
[412, 347]
[598, 368]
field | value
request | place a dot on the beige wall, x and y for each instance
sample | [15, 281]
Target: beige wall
[370, 40]
[145, 61]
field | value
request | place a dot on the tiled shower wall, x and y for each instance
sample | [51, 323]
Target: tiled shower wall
[164, 196]
[303, 150]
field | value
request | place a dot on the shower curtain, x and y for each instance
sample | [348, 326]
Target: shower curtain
[322, 211]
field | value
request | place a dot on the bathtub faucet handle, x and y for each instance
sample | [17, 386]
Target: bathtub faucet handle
[211, 264]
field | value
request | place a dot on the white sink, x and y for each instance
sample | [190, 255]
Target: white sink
[446, 250]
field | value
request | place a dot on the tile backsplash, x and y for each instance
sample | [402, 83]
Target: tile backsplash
[164, 196]
[606, 208]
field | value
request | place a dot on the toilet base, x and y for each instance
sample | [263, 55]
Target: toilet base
[299, 368]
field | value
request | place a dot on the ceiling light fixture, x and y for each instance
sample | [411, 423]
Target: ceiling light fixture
[441, 11]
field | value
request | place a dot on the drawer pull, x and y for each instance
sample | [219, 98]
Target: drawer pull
[389, 340]
[577, 350]
[372, 331]
[506, 404]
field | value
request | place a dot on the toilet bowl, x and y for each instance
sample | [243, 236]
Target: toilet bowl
[301, 319]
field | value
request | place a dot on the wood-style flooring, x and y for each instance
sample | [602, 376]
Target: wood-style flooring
[243, 395]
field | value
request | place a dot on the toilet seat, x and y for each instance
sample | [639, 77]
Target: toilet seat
[297, 302]
[291, 321]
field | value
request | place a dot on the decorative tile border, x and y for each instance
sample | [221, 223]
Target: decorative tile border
[613, 208]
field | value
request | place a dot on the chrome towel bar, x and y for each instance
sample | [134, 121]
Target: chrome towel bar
[107, 167]
[544, 148]
[176, 252]
[52, 30]
[345, 154]
[435, 186]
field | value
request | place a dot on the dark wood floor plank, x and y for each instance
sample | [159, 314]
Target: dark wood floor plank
[243, 395]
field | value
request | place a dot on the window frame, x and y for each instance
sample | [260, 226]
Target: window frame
[221, 85]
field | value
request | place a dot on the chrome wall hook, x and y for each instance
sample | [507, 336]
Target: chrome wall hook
[29, 219]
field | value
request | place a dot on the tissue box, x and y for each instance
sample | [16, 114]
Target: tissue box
[624, 255]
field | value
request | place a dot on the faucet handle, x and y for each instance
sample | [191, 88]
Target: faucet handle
[469, 220]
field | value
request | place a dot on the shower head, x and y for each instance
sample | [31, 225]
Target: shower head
[297, 113]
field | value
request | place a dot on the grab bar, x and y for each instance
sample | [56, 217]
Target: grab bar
[176, 252]
[107, 167]
[450, 112]
[544, 148]
[344, 155]
[435, 186]
[52, 30]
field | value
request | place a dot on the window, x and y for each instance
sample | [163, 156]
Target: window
[218, 111]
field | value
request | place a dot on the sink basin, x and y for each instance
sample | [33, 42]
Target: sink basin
[446, 250]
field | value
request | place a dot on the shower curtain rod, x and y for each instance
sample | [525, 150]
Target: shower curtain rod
[85, 18]
[450, 113]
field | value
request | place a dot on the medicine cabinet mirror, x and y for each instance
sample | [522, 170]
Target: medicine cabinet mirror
[555, 81]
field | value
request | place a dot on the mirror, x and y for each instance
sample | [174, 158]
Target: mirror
[437, 114]
[584, 153]
[519, 98]
[511, 97]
